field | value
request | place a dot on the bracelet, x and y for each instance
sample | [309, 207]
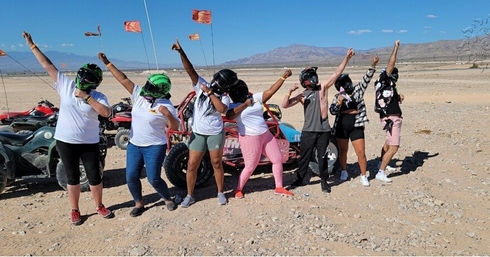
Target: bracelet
[88, 99]
[109, 64]
[283, 78]
[33, 46]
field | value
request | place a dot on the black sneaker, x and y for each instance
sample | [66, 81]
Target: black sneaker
[170, 205]
[325, 187]
[296, 183]
[137, 211]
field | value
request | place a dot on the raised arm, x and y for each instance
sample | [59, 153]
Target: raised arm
[338, 71]
[220, 106]
[233, 113]
[288, 101]
[273, 89]
[392, 61]
[119, 75]
[41, 58]
[185, 61]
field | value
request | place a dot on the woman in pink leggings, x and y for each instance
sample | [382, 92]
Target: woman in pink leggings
[254, 135]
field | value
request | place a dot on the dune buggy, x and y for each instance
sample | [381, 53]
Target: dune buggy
[288, 137]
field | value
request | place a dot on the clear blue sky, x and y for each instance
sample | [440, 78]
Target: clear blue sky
[241, 28]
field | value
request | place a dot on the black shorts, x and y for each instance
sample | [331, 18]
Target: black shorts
[345, 128]
[71, 154]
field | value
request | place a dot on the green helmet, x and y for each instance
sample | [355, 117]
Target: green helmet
[88, 77]
[157, 86]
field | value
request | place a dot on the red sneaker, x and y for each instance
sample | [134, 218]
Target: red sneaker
[283, 191]
[238, 194]
[75, 217]
[104, 212]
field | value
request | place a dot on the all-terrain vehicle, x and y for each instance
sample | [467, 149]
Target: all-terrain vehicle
[35, 155]
[119, 120]
[29, 124]
[43, 108]
[288, 137]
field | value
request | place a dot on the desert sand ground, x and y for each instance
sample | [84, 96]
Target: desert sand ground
[438, 203]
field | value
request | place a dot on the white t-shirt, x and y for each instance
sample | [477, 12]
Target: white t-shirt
[78, 122]
[204, 121]
[251, 121]
[148, 124]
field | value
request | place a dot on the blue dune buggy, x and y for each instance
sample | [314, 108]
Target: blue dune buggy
[288, 137]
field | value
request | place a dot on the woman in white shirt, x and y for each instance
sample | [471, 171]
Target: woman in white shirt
[253, 133]
[207, 125]
[152, 111]
[77, 128]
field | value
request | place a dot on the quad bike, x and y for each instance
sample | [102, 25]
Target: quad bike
[43, 108]
[119, 120]
[35, 155]
[29, 124]
[288, 137]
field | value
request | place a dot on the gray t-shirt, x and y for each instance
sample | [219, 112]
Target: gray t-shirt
[313, 115]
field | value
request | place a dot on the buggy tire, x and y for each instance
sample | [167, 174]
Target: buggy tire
[175, 165]
[122, 138]
[84, 184]
[3, 174]
[333, 159]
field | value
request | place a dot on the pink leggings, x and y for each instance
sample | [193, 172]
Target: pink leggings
[252, 148]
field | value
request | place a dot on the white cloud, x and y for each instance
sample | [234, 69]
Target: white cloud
[67, 44]
[402, 31]
[427, 27]
[2, 45]
[20, 45]
[13, 46]
[431, 16]
[387, 30]
[359, 31]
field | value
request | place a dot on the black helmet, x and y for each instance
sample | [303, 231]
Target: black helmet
[394, 75]
[345, 82]
[223, 80]
[88, 77]
[308, 77]
[239, 93]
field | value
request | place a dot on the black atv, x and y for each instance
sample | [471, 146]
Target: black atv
[35, 155]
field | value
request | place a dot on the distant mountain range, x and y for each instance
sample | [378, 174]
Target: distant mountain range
[300, 54]
[25, 62]
[290, 55]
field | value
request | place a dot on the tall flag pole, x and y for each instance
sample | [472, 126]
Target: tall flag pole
[197, 37]
[151, 34]
[204, 17]
[135, 26]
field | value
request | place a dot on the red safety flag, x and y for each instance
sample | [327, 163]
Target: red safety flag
[201, 16]
[63, 65]
[93, 34]
[2, 53]
[194, 36]
[132, 26]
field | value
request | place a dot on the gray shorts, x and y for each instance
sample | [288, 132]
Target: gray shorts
[203, 143]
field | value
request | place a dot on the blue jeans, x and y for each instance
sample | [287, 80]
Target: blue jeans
[152, 157]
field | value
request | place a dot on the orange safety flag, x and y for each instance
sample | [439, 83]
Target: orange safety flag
[194, 36]
[63, 65]
[2, 53]
[93, 34]
[201, 16]
[132, 26]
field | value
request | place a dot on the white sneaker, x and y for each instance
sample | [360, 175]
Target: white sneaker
[344, 175]
[390, 169]
[364, 181]
[381, 175]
